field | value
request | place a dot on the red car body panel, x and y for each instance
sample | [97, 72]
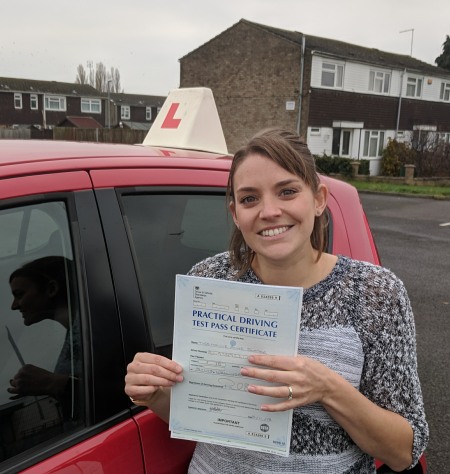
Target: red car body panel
[115, 450]
[44, 183]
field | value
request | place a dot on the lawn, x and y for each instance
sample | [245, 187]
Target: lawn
[438, 192]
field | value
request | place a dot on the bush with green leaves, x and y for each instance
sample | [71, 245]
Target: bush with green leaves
[395, 156]
[328, 165]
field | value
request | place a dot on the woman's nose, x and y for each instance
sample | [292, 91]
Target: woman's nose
[269, 208]
[14, 305]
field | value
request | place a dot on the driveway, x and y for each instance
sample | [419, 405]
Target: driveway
[413, 239]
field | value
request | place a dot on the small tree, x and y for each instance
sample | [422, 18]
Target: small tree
[444, 59]
[114, 76]
[99, 77]
[82, 77]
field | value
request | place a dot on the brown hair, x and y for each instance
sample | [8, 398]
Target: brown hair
[43, 270]
[287, 150]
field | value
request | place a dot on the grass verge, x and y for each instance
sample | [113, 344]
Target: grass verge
[437, 192]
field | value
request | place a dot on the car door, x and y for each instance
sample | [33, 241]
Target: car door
[167, 228]
[88, 425]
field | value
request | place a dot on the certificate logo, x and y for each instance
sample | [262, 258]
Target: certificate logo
[264, 427]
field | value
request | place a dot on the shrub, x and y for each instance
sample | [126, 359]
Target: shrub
[395, 156]
[432, 154]
[364, 167]
[336, 165]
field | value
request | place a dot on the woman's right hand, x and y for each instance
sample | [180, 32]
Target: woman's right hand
[147, 374]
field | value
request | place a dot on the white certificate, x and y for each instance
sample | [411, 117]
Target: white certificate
[217, 325]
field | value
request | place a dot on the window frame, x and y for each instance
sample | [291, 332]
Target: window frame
[336, 71]
[34, 102]
[90, 105]
[373, 138]
[148, 113]
[414, 86]
[443, 136]
[18, 103]
[381, 78]
[125, 112]
[58, 100]
[445, 91]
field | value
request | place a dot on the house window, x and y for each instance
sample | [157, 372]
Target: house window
[17, 101]
[125, 112]
[445, 137]
[445, 91]
[92, 106]
[379, 82]
[414, 87]
[148, 113]
[373, 143]
[332, 75]
[55, 103]
[33, 102]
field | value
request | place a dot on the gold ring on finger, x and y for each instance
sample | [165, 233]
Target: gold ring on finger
[290, 396]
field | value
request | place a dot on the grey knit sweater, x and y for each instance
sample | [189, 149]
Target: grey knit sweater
[357, 321]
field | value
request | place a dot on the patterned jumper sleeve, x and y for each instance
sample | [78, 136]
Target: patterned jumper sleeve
[390, 378]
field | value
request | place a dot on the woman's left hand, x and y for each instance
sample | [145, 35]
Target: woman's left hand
[299, 380]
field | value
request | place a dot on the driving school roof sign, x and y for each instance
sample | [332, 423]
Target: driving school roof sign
[188, 119]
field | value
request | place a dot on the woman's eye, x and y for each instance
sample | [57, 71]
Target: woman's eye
[247, 199]
[288, 192]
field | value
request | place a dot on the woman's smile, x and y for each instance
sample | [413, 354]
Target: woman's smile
[274, 231]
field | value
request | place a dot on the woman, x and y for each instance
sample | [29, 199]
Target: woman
[39, 290]
[353, 387]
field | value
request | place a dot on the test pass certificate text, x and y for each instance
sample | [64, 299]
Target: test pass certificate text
[217, 325]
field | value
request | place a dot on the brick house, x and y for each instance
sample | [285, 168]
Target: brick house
[345, 99]
[134, 111]
[47, 104]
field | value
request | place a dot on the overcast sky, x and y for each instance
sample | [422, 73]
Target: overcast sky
[144, 39]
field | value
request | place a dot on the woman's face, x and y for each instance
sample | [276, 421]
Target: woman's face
[34, 305]
[275, 209]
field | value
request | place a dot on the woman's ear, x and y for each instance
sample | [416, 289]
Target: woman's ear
[232, 207]
[52, 288]
[321, 199]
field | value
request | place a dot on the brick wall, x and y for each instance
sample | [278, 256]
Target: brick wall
[252, 74]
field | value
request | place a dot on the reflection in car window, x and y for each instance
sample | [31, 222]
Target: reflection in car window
[40, 344]
[169, 234]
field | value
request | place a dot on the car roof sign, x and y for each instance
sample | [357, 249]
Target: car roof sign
[188, 119]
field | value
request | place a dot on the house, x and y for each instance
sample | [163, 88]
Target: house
[344, 99]
[134, 111]
[48, 104]
[44, 104]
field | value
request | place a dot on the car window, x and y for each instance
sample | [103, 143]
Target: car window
[40, 345]
[169, 234]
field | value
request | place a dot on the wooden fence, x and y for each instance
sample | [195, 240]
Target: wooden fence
[104, 135]
[9, 134]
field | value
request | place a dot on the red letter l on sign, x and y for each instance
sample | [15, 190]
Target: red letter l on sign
[170, 121]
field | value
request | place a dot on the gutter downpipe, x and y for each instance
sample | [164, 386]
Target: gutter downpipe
[399, 104]
[300, 95]
[44, 113]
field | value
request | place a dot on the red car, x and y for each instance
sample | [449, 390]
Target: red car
[123, 220]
